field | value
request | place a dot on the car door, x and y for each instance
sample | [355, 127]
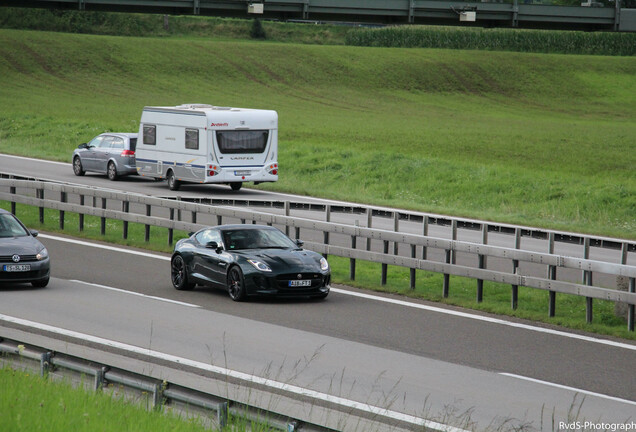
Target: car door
[88, 156]
[102, 153]
[209, 262]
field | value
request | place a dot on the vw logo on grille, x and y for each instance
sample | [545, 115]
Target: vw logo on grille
[16, 258]
[299, 276]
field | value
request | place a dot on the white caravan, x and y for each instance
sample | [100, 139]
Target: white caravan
[198, 143]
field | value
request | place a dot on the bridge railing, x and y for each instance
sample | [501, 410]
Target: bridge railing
[451, 257]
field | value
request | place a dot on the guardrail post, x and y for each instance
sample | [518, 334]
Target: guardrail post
[369, 223]
[515, 267]
[147, 233]
[219, 220]
[396, 228]
[287, 213]
[482, 263]
[194, 216]
[424, 233]
[453, 237]
[587, 280]
[325, 234]
[103, 219]
[385, 266]
[62, 200]
[81, 215]
[297, 233]
[170, 230]
[446, 287]
[39, 193]
[412, 271]
[630, 309]
[352, 261]
[125, 207]
[12, 191]
[552, 273]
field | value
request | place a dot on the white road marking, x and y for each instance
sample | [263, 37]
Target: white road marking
[589, 393]
[391, 301]
[277, 385]
[136, 293]
[35, 159]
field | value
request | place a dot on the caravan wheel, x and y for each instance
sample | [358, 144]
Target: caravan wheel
[173, 183]
[236, 185]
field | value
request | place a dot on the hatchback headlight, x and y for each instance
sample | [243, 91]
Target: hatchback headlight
[259, 265]
[324, 265]
[42, 254]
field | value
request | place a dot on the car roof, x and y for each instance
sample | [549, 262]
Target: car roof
[121, 134]
[240, 226]
[3, 211]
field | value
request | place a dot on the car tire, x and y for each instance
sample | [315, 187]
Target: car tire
[179, 274]
[173, 183]
[40, 283]
[236, 284]
[111, 171]
[236, 185]
[78, 169]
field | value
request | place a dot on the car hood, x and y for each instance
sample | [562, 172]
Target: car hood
[296, 260]
[25, 245]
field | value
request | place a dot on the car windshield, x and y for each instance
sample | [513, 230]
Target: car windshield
[10, 227]
[256, 239]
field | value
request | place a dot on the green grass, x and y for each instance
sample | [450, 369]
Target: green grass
[534, 139]
[31, 403]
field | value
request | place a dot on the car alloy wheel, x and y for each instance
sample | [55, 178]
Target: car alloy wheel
[236, 284]
[179, 274]
[78, 170]
[112, 171]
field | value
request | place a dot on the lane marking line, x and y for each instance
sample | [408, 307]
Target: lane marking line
[277, 385]
[589, 393]
[135, 293]
[460, 314]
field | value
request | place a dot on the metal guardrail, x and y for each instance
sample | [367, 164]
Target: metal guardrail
[489, 13]
[32, 193]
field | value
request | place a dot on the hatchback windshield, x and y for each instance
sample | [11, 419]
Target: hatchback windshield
[10, 227]
[256, 239]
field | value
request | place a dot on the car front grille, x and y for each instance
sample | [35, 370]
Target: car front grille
[23, 258]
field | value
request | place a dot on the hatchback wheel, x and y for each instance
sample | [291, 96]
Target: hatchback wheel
[78, 169]
[112, 171]
[236, 284]
[179, 273]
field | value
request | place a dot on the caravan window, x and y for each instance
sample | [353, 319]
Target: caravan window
[242, 141]
[192, 139]
[150, 134]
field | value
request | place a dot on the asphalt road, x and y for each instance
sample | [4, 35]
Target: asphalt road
[415, 357]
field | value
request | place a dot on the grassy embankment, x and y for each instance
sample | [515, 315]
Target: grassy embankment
[543, 140]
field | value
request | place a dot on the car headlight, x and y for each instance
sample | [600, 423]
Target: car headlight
[42, 254]
[324, 265]
[259, 265]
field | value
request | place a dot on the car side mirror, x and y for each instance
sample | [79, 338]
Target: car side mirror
[214, 245]
[299, 242]
[34, 233]
[82, 146]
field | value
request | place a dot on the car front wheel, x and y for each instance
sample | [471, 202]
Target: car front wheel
[236, 284]
[179, 274]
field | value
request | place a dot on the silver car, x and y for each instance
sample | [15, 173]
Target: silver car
[109, 153]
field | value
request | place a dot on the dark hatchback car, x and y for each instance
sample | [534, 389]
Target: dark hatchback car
[112, 154]
[23, 259]
[249, 260]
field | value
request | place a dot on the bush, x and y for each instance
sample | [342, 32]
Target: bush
[257, 31]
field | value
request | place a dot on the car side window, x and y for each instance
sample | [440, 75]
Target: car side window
[118, 143]
[106, 143]
[95, 142]
[207, 236]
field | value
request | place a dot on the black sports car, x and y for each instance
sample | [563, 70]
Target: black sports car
[249, 260]
[23, 259]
